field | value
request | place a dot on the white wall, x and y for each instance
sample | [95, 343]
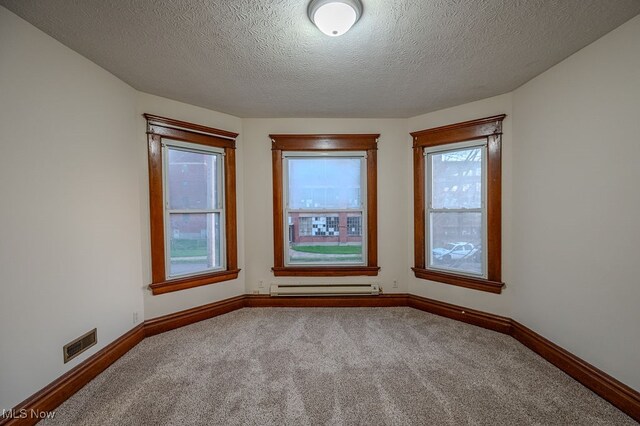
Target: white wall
[70, 245]
[392, 195]
[163, 304]
[576, 203]
[495, 303]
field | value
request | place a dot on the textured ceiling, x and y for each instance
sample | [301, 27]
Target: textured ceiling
[264, 58]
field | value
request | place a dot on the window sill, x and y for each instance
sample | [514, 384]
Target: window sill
[325, 271]
[460, 280]
[193, 281]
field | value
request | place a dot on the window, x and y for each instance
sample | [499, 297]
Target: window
[328, 187]
[354, 226]
[456, 209]
[194, 208]
[306, 226]
[192, 204]
[457, 204]
[325, 194]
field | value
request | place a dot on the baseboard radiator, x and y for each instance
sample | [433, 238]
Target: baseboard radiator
[325, 290]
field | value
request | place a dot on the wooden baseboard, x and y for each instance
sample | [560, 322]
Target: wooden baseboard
[612, 390]
[617, 393]
[470, 316]
[64, 387]
[190, 316]
[383, 300]
[75, 379]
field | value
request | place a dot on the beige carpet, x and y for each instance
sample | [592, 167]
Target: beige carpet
[334, 366]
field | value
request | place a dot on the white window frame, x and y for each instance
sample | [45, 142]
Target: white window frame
[362, 156]
[440, 149]
[220, 188]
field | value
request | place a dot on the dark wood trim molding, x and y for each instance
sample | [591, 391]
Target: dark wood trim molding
[610, 389]
[190, 316]
[383, 300]
[231, 218]
[193, 281]
[614, 391]
[489, 128]
[459, 313]
[419, 210]
[372, 209]
[459, 280]
[69, 383]
[494, 206]
[162, 127]
[325, 271]
[278, 211]
[155, 122]
[459, 132]
[328, 142]
[156, 209]
[194, 137]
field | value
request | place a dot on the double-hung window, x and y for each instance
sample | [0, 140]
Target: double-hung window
[325, 217]
[194, 208]
[456, 208]
[192, 204]
[457, 204]
[324, 190]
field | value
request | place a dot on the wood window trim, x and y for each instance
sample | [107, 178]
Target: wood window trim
[325, 142]
[162, 127]
[490, 129]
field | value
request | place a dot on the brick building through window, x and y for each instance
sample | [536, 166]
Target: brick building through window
[339, 227]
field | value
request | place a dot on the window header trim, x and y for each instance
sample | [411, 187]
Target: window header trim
[156, 121]
[320, 154]
[459, 132]
[325, 142]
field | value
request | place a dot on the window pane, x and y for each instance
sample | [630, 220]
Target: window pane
[456, 242]
[325, 238]
[324, 183]
[192, 178]
[195, 243]
[305, 226]
[354, 225]
[457, 179]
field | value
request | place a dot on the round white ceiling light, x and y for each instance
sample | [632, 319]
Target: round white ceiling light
[334, 17]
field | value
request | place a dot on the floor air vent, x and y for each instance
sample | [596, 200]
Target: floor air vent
[79, 345]
[325, 290]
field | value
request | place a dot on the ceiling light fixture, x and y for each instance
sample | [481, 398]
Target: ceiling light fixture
[334, 17]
